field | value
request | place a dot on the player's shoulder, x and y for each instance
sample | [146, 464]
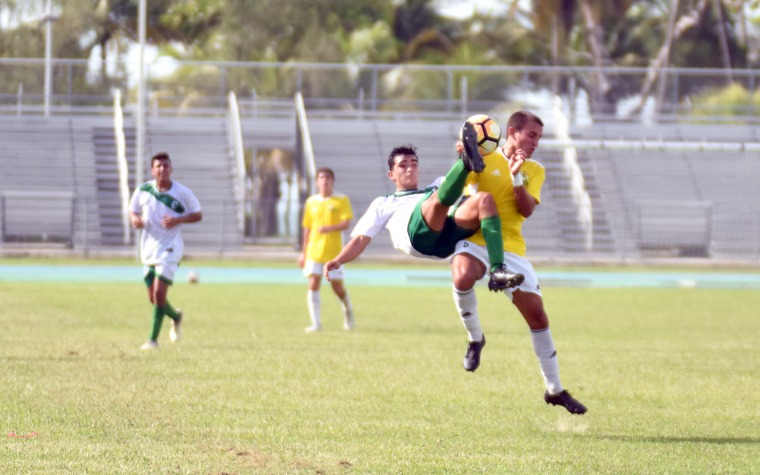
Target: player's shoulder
[181, 187]
[339, 196]
[536, 165]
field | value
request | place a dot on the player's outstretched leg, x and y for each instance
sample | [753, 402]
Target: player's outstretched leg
[471, 157]
[565, 400]
[502, 279]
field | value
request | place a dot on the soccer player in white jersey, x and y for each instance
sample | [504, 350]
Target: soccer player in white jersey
[159, 207]
[418, 219]
[325, 216]
[515, 181]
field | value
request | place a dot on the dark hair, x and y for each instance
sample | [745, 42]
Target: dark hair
[520, 119]
[160, 156]
[327, 170]
[408, 149]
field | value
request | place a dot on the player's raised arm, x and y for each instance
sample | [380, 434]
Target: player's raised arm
[350, 251]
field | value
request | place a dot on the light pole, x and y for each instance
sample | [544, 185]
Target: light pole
[140, 146]
[49, 18]
[140, 135]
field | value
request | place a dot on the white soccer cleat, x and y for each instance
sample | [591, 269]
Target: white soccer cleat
[313, 329]
[150, 345]
[175, 333]
[348, 319]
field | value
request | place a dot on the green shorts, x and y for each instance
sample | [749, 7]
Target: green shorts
[435, 243]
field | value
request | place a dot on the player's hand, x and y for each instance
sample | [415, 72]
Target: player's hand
[137, 222]
[329, 266]
[516, 161]
[301, 260]
[459, 146]
[169, 222]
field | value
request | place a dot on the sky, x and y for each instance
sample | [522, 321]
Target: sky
[465, 8]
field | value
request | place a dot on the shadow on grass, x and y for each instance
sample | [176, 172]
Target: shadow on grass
[683, 440]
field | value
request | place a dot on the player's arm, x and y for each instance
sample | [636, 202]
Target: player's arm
[170, 221]
[350, 251]
[136, 220]
[335, 227]
[526, 204]
[302, 256]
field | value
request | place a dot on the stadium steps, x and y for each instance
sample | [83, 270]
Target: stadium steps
[107, 180]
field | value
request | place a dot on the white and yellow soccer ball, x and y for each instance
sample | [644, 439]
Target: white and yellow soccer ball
[489, 132]
[193, 277]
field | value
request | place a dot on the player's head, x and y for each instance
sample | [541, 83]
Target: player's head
[524, 131]
[401, 150]
[325, 181]
[403, 167]
[160, 156]
[161, 166]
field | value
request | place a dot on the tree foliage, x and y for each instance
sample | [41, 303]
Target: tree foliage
[644, 33]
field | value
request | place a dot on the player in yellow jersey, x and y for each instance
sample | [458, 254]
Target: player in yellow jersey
[325, 216]
[515, 181]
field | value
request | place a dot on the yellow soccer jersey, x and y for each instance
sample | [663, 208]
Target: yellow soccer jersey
[320, 211]
[497, 180]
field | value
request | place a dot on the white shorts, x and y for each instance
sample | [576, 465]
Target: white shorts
[165, 270]
[316, 268]
[515, 263]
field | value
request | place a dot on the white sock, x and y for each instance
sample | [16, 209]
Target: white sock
[467, 305]
[315, 305]
[543, 345]
[347, 308]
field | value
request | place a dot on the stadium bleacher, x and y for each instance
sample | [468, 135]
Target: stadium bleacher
[641, 200]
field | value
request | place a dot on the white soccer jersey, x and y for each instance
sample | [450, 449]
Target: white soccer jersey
[392, 212]
[160, 245]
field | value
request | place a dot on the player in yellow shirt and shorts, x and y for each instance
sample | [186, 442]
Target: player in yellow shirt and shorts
[515, 181]
[325, 216]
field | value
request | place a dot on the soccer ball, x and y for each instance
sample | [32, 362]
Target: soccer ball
[489, 132]
[193, 277]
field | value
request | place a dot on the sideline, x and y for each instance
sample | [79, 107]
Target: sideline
[387, 277]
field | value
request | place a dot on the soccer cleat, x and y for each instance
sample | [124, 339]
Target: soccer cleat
[348, 319]
[502, 279]
[565, 400]
[472, 357]
[313, 329]
[150, 345]
[175, 332]
[471, 156]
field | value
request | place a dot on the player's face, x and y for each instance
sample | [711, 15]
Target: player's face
[405, 173]
[325, 184]
[527, 139]
[161, 170]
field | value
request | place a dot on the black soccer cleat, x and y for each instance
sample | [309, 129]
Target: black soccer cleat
[502, 279]
[471, 157]
[565, 400]
[472, 357]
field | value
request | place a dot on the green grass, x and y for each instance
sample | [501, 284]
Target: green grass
[669, 376]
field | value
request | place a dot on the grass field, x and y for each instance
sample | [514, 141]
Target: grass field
[669, 376]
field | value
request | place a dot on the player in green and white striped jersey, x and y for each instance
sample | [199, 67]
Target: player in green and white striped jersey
[159, 207]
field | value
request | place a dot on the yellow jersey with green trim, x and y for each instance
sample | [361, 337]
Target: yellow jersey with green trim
[321, 211]
[497, 180]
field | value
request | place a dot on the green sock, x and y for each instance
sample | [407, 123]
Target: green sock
[491, 228]
[170, 311]
[158, 318]
[452, 187]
